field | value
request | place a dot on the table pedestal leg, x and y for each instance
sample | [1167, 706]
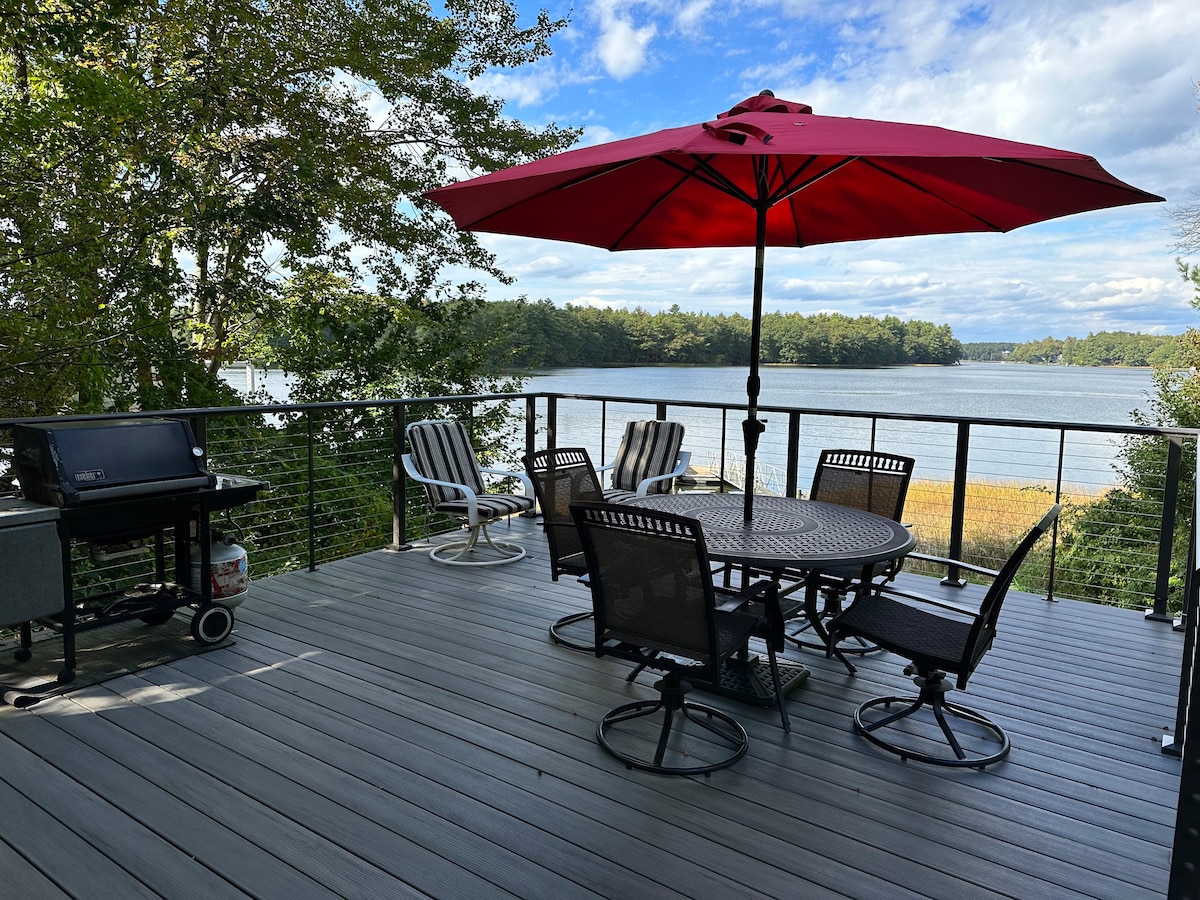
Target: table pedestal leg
[812, 611]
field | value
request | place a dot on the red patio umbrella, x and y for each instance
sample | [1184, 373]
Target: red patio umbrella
[770, 173]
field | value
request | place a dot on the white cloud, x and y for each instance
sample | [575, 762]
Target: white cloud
[621, 47]
[692, 16]
[1112, 78]
[526, 88]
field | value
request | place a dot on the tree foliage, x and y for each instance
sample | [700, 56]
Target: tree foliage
[988, 351]
[543, 335]
[1105, 348]
[1113, 543]
[178, 177]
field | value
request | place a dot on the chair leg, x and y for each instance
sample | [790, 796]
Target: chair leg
[672, 698]
[559, 628]
[933, 689]
[787, 724]
[455, 553]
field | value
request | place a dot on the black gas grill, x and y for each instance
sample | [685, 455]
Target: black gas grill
[120, 480]
[76, 463]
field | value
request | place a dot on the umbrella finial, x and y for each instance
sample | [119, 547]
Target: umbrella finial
[766, 92]
[766, 101]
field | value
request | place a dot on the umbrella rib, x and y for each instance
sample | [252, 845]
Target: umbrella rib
[789, 186]
[574, 182]
[924, 190]
[1079, 176]
[706, 174]
[657, 200]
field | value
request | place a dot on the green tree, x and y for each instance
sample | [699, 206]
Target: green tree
[176, 176]
[1113, 542]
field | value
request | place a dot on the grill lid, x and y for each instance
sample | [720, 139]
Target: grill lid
[70, 463]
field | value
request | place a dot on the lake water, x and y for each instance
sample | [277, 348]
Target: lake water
[1080, 396]
[992, 390]
[977, 390]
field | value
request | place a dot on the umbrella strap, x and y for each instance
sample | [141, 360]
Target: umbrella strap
[735, 132]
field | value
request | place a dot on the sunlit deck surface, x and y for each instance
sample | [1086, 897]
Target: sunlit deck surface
[386, 727]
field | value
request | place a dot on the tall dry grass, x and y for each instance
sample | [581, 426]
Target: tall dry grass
[997, 515]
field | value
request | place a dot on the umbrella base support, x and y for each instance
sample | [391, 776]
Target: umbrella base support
[750, 681]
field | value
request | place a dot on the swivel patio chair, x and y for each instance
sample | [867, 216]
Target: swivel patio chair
[939, 638]
[655, 605]
[648, 460]
[863, 479]
[442, 460]
[562, 476]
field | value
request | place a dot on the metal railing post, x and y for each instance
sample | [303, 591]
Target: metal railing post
[1166, 534]
[551, 421]
[958, 502]
[530, 424]
[312, 499]
[1185, 877]
[792, 488]
[399, 482]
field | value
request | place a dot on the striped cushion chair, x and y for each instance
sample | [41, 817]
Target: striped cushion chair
[441, 458]
[647, 461]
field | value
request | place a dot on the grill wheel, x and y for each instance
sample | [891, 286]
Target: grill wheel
[212, 623]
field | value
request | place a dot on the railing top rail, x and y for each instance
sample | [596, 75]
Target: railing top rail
[897, 416]
[278, 408]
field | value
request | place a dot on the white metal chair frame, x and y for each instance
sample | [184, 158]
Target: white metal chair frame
[645, 486]
[475, 516]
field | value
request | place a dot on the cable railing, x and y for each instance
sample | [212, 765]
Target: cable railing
[337, 487]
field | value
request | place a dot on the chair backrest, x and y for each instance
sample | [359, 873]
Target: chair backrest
[562, 476]
[647, 449]
[863, 479]
[983, 631]
[650, 580]
[442, 449]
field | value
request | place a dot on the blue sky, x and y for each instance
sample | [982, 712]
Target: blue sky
[1116, 80]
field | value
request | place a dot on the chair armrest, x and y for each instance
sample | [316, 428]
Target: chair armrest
[681, 465]
[767, 592]
[526, 482]
[942, 560]
[468, 494]
[893, 592]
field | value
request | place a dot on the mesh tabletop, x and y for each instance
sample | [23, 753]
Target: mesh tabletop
[788, 532]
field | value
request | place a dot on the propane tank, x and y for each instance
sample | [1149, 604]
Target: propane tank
[228, 573]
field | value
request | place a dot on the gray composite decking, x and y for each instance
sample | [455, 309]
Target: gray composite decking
[386, 727]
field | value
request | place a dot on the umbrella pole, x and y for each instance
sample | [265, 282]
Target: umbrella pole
[752, 427]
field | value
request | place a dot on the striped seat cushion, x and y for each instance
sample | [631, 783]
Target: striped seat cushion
[616, 495]
[490, 506]
[647, 449]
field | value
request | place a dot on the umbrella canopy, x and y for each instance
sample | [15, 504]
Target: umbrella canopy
[771, 173]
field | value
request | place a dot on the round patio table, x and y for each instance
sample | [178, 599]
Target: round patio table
[788, 533]
[793, 534]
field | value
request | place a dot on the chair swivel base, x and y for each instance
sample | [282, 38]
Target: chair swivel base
[459, 553]
[672, 700]
[932, 696]
[560, 632]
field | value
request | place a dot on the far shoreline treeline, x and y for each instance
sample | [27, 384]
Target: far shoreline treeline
[1104, 348]
[540, 335]
[523, 335]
